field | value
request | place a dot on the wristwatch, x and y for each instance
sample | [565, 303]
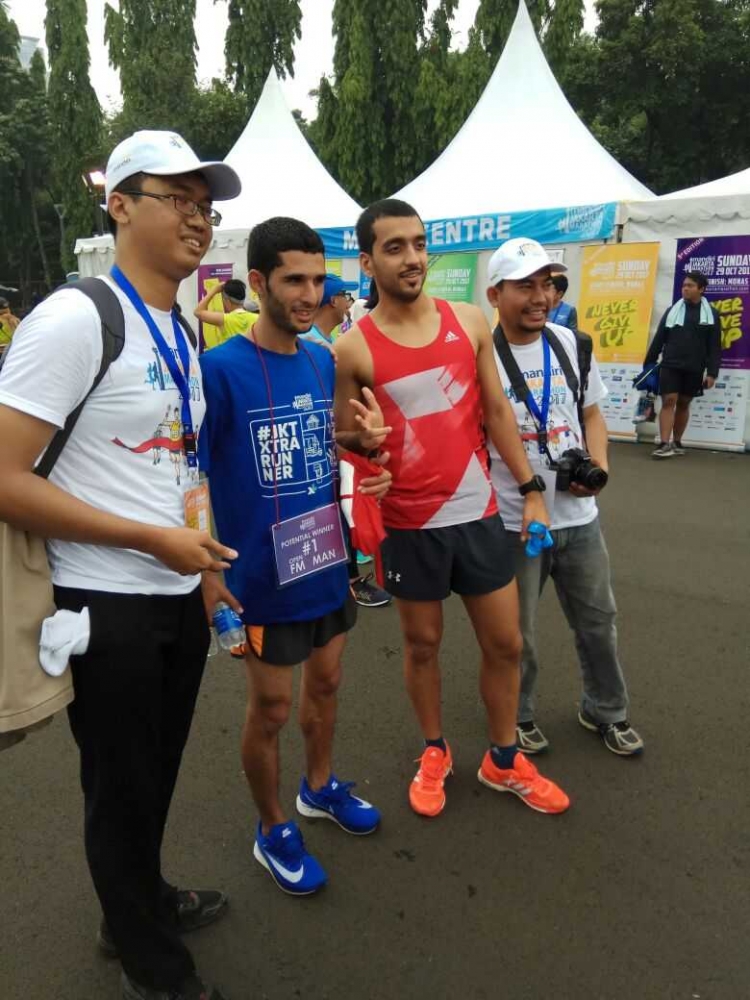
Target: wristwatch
[535, 485]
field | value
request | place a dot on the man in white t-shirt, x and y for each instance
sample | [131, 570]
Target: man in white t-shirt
[520, 287]
[114, 512]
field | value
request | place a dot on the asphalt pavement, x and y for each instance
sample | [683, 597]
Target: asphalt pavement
[639, 891]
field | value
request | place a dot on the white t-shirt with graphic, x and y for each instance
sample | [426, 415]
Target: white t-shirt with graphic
[564, 431]
[126, 454]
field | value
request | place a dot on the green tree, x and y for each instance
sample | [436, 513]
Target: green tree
[152, 44]
[75, 120]
[658, 86]
[375, 72]
[261, 34]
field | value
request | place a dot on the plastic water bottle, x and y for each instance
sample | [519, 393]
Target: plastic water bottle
[539, 539]
[228, 626]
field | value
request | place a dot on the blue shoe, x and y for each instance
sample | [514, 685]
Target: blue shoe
[283, 854]
[335, 801]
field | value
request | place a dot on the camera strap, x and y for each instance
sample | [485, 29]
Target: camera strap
[521, 390]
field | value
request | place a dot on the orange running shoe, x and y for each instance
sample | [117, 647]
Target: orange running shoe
[526, 782]
[427, 791]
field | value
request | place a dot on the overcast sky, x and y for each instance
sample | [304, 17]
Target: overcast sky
[313, 55]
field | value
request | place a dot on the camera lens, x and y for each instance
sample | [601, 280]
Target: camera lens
[596, 478]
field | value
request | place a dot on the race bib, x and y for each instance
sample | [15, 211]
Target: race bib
[305, 545]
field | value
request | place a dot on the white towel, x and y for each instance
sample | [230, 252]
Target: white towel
[676, 315]
[65, 634]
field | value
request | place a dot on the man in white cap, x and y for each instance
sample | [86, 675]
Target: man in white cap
[555, 402]
[124, 538]
[431, 367]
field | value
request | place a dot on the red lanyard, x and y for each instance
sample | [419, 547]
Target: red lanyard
[310, 358]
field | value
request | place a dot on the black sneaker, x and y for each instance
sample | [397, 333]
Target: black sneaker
[663, 451]
[619, 737]
[195, 908]
[192, 989]
[530, 738]
[678, 448]
[369, 595]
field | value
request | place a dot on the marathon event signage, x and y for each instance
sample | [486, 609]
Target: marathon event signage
[725, 261]
[617, 295]
[486, 232]
[717, 419]
[614, 308]
[452, 276]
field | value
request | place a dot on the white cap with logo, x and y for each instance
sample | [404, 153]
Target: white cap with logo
[165, 154]
[519, 258]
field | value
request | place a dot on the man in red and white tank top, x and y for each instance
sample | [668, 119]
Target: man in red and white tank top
[431, 367]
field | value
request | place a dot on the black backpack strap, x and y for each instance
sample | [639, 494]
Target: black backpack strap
[585, 351]
[189, 331]
[113, 340]
[563, 359]
[578, 384]
[509, 363]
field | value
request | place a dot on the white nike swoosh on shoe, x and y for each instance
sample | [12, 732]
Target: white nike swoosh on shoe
[285, 873]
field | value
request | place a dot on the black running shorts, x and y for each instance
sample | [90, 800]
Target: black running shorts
[427, 564]
[684, 383]
[285, 644]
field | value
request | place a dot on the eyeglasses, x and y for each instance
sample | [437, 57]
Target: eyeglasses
[185, 206]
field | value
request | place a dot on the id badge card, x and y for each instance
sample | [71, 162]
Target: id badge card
[197, 507]
[306, 545]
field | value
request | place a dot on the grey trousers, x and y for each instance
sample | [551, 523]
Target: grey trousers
[579, 566]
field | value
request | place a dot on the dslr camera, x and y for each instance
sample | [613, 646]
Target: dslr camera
[575, 466]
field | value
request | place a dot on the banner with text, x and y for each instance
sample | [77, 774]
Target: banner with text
[725, 261]
[486, 232]
[617, 295]
[452, 276]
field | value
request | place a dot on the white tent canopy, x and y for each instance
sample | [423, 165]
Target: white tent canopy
[522, 148]
[732, 184]
[281, 175]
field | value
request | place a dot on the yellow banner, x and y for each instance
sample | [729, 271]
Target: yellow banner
[617, 295]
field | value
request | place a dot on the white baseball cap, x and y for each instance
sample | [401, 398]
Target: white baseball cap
[517, 259]
[165, 154]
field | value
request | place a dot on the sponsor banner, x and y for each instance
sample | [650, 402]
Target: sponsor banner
[486, 232]
[452, 276]
[725, 260]
[618, 408]
[617, 294]
[717, 418]
[210, 275]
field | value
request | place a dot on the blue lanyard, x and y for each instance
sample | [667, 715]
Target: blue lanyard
[541, 414]
[180, 375]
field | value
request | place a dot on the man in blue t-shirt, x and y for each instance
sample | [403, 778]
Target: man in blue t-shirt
[268, 447]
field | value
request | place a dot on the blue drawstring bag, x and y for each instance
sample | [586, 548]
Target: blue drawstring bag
[648, 380]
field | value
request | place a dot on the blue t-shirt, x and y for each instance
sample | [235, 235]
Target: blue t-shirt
[236, 451]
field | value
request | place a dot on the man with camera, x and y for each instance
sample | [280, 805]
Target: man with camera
[555, 401]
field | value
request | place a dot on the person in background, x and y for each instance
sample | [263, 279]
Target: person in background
[561, 312]
[8, 324]
[233, 320]
[333, 311]
[688, 339]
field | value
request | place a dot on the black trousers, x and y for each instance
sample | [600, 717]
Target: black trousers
[135, 693]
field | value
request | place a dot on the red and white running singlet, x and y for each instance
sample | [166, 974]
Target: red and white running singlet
[430, 396]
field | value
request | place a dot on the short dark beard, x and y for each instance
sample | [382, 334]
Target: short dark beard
[276, 314]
